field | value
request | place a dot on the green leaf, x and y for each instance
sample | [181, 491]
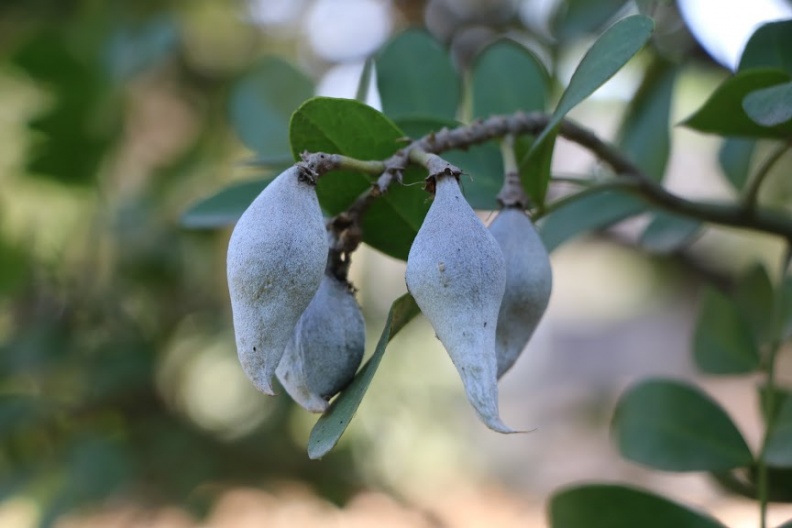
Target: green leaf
[224, 207]
[615, 506]
[415, 77]
[606, 57]
[73, 135]
[755, 300]
[787, 524]
[332, 424]
[535, 167]
[482, 165]
[769, 47]
[778, 451]
[344, 126]
[770, 106]
[734, 158]
[262, 101]
[723, 342]
[588, 213]
[723, 113]
[576, 17]
[364, 82]
[644, 135]
[507, 77]
[673, 426]
[784, 302]
[668, 232]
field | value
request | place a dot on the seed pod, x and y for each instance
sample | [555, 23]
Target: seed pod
[326, 348]
[276, 258]
[455, 272]
[529, 280]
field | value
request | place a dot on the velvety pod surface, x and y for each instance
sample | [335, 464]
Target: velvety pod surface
[326, 348]
[455, 272]
[529, 281]
[276, 258]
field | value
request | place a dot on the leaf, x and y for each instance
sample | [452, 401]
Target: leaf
[723, 113]
[769, 47]
[261, 103]
[415, 77]
[507, 77]
[224, 207]
[608, 55]
[332, 424]
[673, 426]
[344, 126]
[616, 506]
[734, 158]
[770, 106]
[784, 308]
[576, 17]
[481, 165]
[535, 167]
[644, 135]
[755, 299]
[723, 342]
[590, 212]
[73, 135]
[361, 94]
[668, 232]
[778, 450]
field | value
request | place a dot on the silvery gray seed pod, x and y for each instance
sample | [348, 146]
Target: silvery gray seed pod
[529, 280]
[276, 258]
[326, 348]
[455, 273]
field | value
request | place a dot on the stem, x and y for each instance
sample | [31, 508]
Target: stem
[768, 405]
[512, 193]
[634, 179]
[752, 193]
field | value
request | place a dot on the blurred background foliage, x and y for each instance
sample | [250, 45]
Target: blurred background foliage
[118, 378]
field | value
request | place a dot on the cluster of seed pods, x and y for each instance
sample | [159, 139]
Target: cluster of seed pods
[290, 316]
[483, 290]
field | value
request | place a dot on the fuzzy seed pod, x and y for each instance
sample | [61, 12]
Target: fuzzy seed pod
[326, 348]
[529, 280]
[455, 272]
[276, 258]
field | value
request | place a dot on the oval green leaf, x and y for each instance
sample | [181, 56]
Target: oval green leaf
[415, 77]
[734, 159]
[224, 207]
[332, 424]
[507, 77]
[574, 18]
[668, 232]
[769, 47]
[644, 135]
[770, 106]
[606, 56]
[344, 126]
[778, 450]
[755, 299]
[262, 101]
[723, 342]
[672, 426]
[615, 506]
[589, 212]
[723, 112]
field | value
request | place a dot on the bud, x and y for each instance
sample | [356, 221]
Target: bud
[276, 258]
[455, 272]
[529, 280]
[326, 348]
